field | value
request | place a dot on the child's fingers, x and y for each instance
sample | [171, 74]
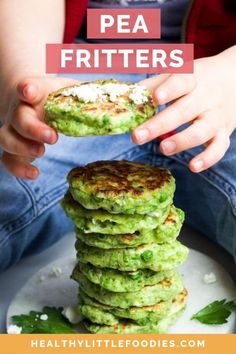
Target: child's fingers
[26, 123]
[212, 154]
[200, 132]
[19, 167]
[182, 111]
[154, 81]
[13, 143]
[173, 87]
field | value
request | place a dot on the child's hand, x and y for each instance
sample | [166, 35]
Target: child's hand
[23, 135]
[205, 99]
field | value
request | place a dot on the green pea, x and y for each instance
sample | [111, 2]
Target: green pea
[135, 275]
[147, 255]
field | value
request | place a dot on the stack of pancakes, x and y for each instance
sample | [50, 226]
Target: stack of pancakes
[126, 228]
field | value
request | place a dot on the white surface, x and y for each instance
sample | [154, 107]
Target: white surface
[62, 291]
[14, 278]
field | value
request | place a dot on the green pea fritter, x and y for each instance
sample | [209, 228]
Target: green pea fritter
[164, 233]
[126, 326]
[149, 295]
[95, 311]
[100, 221]
[114, 280]
[104, 314]
[149, 256]
[101, 107]
[122, 187]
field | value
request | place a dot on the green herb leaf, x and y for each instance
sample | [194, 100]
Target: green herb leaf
[56, 322]
[216, 313]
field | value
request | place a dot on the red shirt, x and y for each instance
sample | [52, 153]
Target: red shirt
[210, 25]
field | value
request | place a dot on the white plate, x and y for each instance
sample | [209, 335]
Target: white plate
[62, 291]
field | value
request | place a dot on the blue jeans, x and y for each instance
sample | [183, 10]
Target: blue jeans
[31, 218]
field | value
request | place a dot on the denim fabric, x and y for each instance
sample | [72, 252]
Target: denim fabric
[31, 218]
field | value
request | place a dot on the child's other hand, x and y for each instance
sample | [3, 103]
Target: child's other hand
[205, 99]
[23, 135]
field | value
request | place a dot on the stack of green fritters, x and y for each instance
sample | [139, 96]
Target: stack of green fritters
[126, 228]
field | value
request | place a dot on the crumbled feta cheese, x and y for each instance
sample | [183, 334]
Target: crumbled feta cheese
[56, 272]
[115, 90]
[138, 95]
[13, 329]
[43, 317]
[71, 314]
[121, 100]
[209, 278]
[86, 93]
[154, 213]
[112, 91]
[42, 278]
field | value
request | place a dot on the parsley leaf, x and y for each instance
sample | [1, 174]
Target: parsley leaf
[216, 313]
[56, 322]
